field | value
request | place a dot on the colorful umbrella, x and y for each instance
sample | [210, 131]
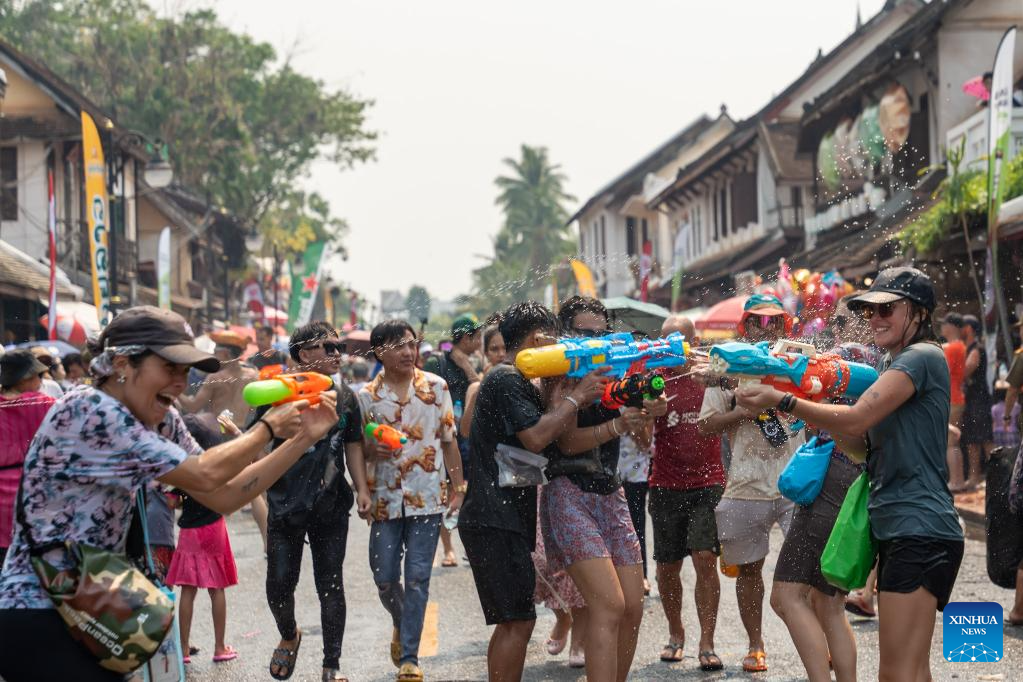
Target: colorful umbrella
[722, 317]
[76, 322]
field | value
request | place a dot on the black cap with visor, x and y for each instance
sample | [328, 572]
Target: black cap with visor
[893, 284]
[161, 331]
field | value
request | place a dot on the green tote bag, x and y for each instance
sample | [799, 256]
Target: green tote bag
[851, 550]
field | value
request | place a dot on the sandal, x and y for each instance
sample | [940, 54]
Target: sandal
[672, 652]
[755, 662]
[410, 672]
[855, 606]
[333, 675]
[284, 658]
[229, 655]
[710, 661]
[449, 563]
[396, 648]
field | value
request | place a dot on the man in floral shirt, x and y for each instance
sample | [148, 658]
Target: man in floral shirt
[408, 484]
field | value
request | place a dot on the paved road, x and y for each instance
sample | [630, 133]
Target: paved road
[455, 644]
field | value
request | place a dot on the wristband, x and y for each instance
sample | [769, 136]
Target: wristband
[573, 401]
[787, 403]
[462, 487]
[269, 428]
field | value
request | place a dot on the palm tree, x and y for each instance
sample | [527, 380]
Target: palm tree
[534, 236]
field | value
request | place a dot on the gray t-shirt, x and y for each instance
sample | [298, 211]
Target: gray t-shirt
[907, 467]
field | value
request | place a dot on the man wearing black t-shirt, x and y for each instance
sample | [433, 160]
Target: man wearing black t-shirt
[313, 499]
[497, 525]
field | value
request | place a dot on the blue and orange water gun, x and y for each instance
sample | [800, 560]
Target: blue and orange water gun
[576, 358]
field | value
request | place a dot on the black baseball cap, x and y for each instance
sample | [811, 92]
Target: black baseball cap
[895, 283]
[19, 364]
[161, 331]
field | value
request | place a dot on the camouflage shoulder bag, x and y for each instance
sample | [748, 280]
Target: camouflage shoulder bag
[108, 604]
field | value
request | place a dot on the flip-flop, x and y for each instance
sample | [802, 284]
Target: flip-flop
[449, 563]
[187, 660]
[229, 655]
[759, 663]
[672, 652]
[855, 607]
[710, 665]
[287, 659]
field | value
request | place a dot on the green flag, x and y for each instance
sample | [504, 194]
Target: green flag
[305, 284]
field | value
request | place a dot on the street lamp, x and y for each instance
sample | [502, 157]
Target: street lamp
[158, 171]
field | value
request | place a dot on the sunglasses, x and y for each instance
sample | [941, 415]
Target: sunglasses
[766, 321]
[330, 347]
[590, 333]
[882, 310]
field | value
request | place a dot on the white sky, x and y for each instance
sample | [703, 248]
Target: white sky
[459, 85]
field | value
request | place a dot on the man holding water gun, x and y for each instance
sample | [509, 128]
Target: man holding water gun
[313, 500]
[761, 447]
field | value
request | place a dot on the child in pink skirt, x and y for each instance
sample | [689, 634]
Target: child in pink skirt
[203, 558]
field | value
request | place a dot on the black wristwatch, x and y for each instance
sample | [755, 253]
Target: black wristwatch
[787, 402]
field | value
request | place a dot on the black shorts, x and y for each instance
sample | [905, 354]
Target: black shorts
[684, 522]
[905, 564]
[502, 568]
[800, 558]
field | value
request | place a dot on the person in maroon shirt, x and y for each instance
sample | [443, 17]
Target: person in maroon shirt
[686, 483]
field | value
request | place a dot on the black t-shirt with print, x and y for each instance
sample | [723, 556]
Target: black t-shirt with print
[506, 404]
[297, 490]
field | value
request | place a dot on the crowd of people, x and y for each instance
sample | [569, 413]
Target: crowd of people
[151, 415]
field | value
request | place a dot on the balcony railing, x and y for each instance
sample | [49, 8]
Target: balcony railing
[974, 131]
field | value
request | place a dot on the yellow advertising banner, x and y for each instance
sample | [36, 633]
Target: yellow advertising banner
[584, 279]
[96, 201]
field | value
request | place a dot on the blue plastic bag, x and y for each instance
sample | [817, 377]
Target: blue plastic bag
[803, 477]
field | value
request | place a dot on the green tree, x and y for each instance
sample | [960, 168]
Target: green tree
[418, 303]
[534, 236]
[241, 124]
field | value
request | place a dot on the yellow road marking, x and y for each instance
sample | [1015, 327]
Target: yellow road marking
[428, 642]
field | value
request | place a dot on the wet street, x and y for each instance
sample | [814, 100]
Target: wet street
[455, 639]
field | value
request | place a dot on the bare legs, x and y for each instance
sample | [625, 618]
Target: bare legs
[614, 601]
[449, 548]
[749, 590]
[186, 610]
[506, 654]
[1016, 614]
[259, 514]
[817, 625]
[707, 595]
[906, 626]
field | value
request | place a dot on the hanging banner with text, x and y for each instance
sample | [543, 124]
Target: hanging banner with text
[96, 209]
[999, 121]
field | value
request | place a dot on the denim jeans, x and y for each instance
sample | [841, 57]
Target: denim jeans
[415, 537]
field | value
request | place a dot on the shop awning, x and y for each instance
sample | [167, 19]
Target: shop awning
[21, 276]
